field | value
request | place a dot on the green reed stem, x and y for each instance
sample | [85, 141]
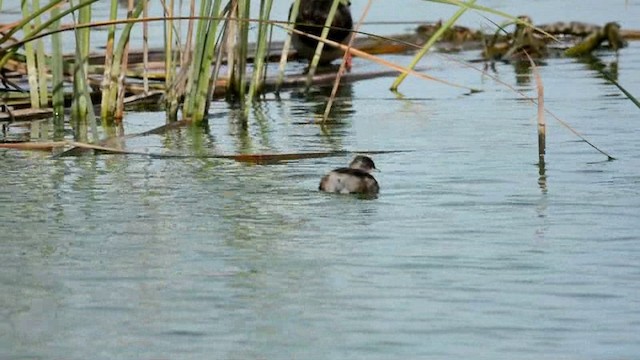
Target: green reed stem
[323, 36]
[261, 51]
[118, 71]
[57, 73]
[41, 63]
[32, 70]
[107, 78]
[196, 96]
[82, 113]
[241, 50]
[198, 55]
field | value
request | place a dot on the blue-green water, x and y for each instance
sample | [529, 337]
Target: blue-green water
[467, 253]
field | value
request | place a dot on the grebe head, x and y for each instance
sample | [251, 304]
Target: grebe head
[363, 163]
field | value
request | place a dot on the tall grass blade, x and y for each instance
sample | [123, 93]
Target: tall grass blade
[514, 19]
[432, 40]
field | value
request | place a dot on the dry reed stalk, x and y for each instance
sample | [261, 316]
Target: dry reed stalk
[542, 126]
[553, 115]
[186, 53]
[343, 64]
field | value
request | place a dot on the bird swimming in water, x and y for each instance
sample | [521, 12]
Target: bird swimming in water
[311, 18]
[356, 178]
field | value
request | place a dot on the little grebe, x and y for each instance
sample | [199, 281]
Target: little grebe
[354, 179]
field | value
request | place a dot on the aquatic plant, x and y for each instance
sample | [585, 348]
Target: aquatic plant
[192, 63]
[198, 83]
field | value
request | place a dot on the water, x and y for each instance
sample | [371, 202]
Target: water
[467, 253]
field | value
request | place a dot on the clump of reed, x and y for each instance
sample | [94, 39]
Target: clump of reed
[192, 61]
[217, 32]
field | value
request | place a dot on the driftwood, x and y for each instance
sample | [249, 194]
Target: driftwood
[7, 114]
[77, 148]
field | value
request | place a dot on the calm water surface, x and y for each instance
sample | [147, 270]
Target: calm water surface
[467, 253]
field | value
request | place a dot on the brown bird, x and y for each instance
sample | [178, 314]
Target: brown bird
[311, 18]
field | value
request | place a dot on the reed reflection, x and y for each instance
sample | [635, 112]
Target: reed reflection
[317, 99]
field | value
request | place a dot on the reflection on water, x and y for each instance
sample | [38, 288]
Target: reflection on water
[608, 71]
[342, 108]
[472, 250]
[542, 178]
